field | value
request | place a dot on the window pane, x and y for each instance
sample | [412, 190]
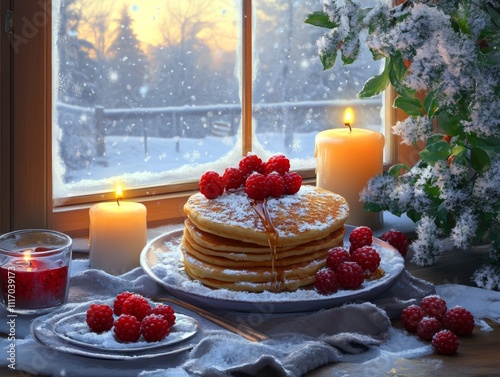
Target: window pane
[143, 91]
[293, 97]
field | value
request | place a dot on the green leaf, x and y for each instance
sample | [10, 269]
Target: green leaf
[411, 106]
[328, 59]
[479, 159]
[395, 170]
[495, 15]
[349, 58]
[435, 152]
[320, 19]
[450, 124]
[431, 103]
[397, 74]
[376, 84]
[373, 207]
[492, 143]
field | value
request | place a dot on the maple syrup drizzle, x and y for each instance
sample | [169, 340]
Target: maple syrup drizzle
[260, 208]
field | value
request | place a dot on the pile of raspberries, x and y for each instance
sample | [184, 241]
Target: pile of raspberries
[433, 321]
[348, 268]
[259, 179]
[136, 317]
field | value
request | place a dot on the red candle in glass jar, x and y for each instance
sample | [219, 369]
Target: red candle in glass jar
[30, 283]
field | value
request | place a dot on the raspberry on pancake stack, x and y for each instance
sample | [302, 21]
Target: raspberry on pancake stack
[270, 232]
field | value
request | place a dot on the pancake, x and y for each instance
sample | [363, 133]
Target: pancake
[310, 214]
[211, 244]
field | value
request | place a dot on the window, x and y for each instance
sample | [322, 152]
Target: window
[130, 96]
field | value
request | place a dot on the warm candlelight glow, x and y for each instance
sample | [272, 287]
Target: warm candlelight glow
[348, 116]
[119, 194]
[27, 256]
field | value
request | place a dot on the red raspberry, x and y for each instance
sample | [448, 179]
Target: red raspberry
[251, 163]
[211, 184]
[233, 178]
[127, 328]
[367, 257]
[256, 186]
[350, 275]
[275, 184]
[99, 317]
[119, 300]
[427, 327]
[445, 342]
[167, 312]
[434, 306]
[278, 163]
[293, 182]
[359, 237]
[459, 320]
[411, 317]
[154, 327]
[336, 256]
[396, 239]
[137, 306]
[326, 282]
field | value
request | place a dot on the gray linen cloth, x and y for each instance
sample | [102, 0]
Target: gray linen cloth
[299, 343]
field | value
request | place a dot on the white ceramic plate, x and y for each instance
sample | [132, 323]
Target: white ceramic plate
[162, 260]
[59, 332]
[75, 330]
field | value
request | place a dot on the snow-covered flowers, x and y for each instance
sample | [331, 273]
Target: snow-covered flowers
[442, 59]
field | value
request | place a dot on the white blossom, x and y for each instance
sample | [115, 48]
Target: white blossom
[427, 247]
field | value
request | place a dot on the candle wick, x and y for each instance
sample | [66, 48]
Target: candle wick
[348, 125]
[118, 200]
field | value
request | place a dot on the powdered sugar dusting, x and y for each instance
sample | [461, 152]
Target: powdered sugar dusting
[168, 270]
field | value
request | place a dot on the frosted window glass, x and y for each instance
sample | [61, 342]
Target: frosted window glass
[147, 93]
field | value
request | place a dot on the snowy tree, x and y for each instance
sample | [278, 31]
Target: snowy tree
[127, 70]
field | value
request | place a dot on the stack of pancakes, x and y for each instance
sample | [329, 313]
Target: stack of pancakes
[236, 243]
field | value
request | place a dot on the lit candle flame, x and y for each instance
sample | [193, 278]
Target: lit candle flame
[119, 194]
[27, 256]
[348, 117]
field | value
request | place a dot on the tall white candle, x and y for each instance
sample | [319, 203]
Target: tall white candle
[346, 160]
[118, 233]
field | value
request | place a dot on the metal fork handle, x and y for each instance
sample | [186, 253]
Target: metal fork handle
[240, 329]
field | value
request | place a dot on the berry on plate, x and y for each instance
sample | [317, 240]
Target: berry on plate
[367, 257]
[359, 237]
[251, 163]
[427, 327]
[233, 178]
[411, 317]
[445, 342]
[350, 275]
[335, 256]
[154, 327]
[434, 306]
[397, 240]
[211, 184]
[119, 300]
[326, 281]
[278, 163]
[459, 320]
[293, 182]
[166, 311]
[99, 317]
[127, 328]
[137, 306]
[256, 186]
[275, 184]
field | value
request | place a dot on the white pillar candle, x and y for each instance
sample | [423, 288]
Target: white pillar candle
[118, 233]
[346, 160]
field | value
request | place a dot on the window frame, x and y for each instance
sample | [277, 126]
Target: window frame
[26, 140]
